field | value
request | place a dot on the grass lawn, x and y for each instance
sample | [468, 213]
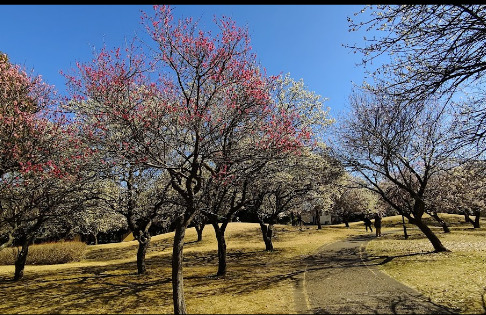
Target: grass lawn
[105, 281]
[456, 279]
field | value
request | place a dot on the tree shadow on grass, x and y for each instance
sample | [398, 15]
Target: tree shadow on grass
[248, 271]
[99, 253]
[105, 289]
[352, 256]
[116, 288]
[384, 259]
[404, 303]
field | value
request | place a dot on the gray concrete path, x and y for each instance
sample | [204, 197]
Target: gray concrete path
[341, 279]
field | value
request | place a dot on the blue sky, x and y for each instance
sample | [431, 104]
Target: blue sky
[305, 40]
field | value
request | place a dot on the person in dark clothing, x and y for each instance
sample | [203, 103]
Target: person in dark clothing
[378, 224]
[367, 223]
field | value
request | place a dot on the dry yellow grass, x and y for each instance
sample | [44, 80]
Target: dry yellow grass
[46, 253]
[456, 279]
[106, 280]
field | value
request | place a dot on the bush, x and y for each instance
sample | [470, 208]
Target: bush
[47, 254]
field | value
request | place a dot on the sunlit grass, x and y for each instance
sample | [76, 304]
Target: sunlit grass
[106, 281]
[456, 279]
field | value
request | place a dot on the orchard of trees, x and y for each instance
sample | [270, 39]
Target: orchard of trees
[189, 130]
[416, 131]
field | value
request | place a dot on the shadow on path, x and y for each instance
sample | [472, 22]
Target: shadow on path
[341, 279]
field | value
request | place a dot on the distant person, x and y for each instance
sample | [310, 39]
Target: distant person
[378, 224]
[367, 223]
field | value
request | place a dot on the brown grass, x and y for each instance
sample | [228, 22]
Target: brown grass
[47, 253]
[106, 280]
[456, 279]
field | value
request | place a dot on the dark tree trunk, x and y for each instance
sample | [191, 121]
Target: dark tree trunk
[346, 223]
[474, 223]
[143, 243]
[199, 230]
[319, 226]
[477, 214]
[299, 222]
[292, 219]
[267, 233]
[177, 279]
[438, 247]
[405, 234]
[221, 249]
[440, 221]
[466, 217]
[20, 260]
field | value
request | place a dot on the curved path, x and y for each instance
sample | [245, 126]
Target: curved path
[341, 279]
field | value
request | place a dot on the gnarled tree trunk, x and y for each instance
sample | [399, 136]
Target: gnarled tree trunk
[267, 233]
[21, 259]
[143, 239]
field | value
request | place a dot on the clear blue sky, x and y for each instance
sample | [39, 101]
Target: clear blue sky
[305, 40]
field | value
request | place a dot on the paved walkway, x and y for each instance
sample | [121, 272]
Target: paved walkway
[341, 279]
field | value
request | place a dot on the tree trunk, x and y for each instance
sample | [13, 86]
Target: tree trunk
[438, 247]
[267, 232]
[221, 249]
[346, 223]
[441, 222]
[319, 226]
[405, 234]
[292, 219]
[177, 279]
[477, 214]
[20, 260]
[199, 230]
[466, 217]
[143, 243]
[474, 223]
